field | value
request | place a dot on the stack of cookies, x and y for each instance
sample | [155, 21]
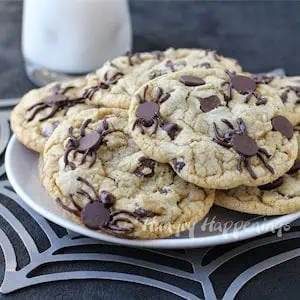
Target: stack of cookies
[143, 147]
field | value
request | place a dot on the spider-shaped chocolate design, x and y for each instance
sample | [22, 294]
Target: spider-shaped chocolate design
[57, 101]
[85, 143]
[102, 85]
[287, 90]
[148, 116]
[243, 85]
[243, 144]
[97, 213]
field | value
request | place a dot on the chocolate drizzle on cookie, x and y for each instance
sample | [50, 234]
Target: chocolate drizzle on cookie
[57, 101]
[98, 214]
[85, 143]
[148, 115]
[243, 85]
[272, 185]
[209, 103]
[146, 168]
[243, 144]
[283, 125]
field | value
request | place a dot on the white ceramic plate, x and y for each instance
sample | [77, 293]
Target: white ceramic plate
[219, 227]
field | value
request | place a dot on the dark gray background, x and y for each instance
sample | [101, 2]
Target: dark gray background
[261, 34]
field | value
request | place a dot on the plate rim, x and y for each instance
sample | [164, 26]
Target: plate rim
[166, 243]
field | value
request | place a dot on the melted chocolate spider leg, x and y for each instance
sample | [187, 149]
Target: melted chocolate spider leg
[94, 157]
[85, 194]
[228, 123]
[242, 126]
[74, 203]
[264, 151]
[84, 181]
[269, 167]
[155, 127]
[145, 92]
[70, 133]
[83, 159]
[240, 163]
[247, 99]
[36, 111]
[249, 167]
[84, 126]
[67, 208]
[35, 105]
[230, 90]
[219, 139]
[51, 114]
[66, 156]
[164, 98]
[158, 95]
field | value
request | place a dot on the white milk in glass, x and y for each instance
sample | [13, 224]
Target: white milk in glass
[74, 36]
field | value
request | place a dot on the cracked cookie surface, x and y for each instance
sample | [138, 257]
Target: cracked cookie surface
[40, 111]
[277, 198]
[217, 129]
[101, 179]
[117, 80]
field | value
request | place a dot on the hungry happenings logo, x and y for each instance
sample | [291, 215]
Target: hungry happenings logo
[227, 229]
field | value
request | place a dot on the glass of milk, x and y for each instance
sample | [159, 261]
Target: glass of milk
[71, 37]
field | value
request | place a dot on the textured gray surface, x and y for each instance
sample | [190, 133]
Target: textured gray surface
[262, 35]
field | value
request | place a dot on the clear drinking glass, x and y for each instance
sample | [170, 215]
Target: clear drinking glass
[63, 38]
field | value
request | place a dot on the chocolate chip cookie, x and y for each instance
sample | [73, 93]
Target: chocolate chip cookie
[100, 178]
[117, 80]
[288, 88]
[40, 111]
[216, 128]
[279, 197]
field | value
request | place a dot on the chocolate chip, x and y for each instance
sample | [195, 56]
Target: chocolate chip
[243, 84]
[144, 213]
[209, 103]
[165, 190]
[95, 215]
[178, 165]
[89, 141]
[147, 111]
[244, 145]
[171, 129]
[295, 168]
[283, 125]
[146, 168]
[107, 199]
[191, 80]
[272, 185]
